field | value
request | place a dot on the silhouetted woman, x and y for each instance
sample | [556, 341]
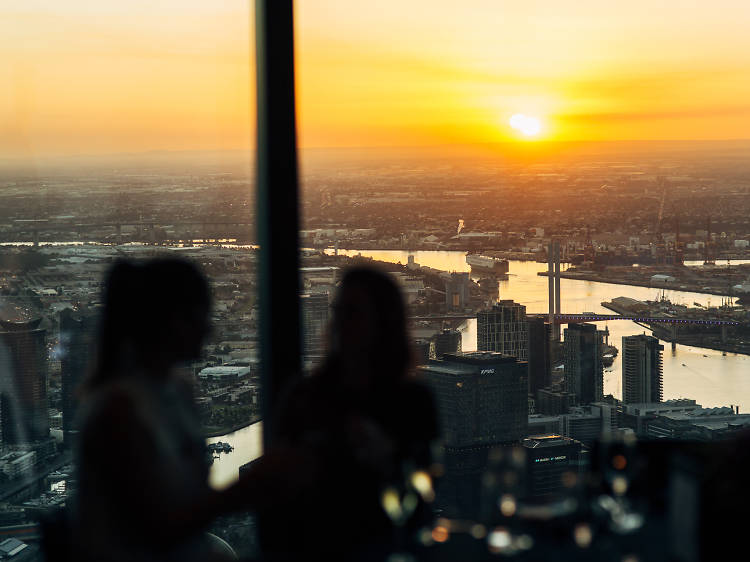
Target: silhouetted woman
[143, 477]
[369, 423]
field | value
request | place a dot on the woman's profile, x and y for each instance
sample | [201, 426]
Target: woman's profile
[143, 490]
[368, 423]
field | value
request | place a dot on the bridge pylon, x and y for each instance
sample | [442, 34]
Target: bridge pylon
[553, 280]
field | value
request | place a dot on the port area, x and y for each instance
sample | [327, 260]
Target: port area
[730, 339]
[714, 279]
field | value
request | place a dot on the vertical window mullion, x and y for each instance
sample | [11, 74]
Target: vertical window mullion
[277, 203]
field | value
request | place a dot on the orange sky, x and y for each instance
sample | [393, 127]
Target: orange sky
[92, 77]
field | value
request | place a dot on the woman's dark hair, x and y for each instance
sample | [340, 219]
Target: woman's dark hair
[388, 349]
[143, 304]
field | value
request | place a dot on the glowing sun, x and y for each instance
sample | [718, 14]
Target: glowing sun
[526, 124]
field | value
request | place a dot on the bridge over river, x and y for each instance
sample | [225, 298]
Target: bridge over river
[592, 317]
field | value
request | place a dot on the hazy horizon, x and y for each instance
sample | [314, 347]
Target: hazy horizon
[110, 78]
[539, 152]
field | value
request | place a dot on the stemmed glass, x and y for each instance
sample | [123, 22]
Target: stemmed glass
[400, 500]
[617, 464]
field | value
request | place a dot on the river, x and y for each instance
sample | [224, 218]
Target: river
[708, 376]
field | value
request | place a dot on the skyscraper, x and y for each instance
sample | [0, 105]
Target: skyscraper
[314, 322]
[481, 397]
[482, 404]
[503, 328]
[77, 336]
[540, 372]
[23, 381]
[641, 369]
[584, 371]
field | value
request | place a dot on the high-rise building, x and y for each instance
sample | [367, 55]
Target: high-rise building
[540, 372]
[481, 397]
[315, 307]
[503, 328]
[548, 459]
[641, 369]
[584, 371]
[23, 382]
[447, 341]
[77, 340]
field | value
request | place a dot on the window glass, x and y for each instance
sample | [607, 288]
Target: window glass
[127, 133]
[529, 174]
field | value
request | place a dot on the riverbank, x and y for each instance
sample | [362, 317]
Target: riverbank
[221, 432]
[702, 341]
[682, 286]
[504, 254]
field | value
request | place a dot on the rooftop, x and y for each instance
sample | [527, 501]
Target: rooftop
[478, 357]
[707, 414]
[11, 547]
[675, 405]
[224, 371]
[552, 440]
[19, 325]
[542, 418]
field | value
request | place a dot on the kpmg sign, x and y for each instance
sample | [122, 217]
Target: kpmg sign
[487, 372]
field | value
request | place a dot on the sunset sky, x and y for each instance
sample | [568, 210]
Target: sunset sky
[92, 77]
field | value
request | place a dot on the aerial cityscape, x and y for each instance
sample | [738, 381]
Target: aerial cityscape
[521, 326]
[639, 313]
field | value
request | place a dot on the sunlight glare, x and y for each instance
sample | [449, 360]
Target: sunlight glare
[529, 126]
